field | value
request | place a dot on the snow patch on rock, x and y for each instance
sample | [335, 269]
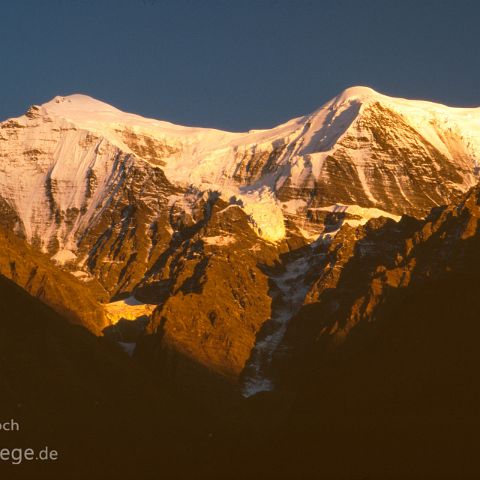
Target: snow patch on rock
[64, 256]
[292, 288]
[128, 309]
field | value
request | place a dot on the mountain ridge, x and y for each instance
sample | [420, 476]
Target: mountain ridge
[268, 169]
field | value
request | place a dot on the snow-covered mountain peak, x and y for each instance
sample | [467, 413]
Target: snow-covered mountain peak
[88, 112]
[77, 104]
[365, 96]
[113, 124]
[356, 93]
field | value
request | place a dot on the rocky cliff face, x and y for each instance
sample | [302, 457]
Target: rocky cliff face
[382, 161]
[366, 270]
[210, 230]
[214, 289]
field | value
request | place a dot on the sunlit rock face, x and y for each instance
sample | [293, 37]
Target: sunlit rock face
[196, 220]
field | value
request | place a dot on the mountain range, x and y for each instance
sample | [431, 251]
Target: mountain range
[295, 267]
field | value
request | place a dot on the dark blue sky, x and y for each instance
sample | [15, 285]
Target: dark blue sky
[236, 64]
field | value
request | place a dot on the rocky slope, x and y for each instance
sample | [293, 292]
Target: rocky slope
[76, 300]
[363, 267]
[209, 229]
[215, 294]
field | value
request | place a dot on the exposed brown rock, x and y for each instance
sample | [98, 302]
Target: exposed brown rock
[78, 301]
[365, 267]
[218, 294]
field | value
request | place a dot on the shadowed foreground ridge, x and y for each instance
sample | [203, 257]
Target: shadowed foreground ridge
[78, 394]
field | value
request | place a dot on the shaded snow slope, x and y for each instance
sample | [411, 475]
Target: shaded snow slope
[291, 291]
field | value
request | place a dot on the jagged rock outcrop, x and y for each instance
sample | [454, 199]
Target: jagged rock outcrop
[216, 292]
[367, 269]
